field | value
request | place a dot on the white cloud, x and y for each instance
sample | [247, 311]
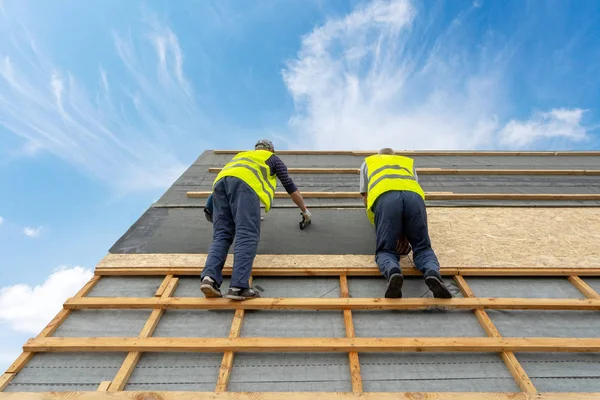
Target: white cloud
[32, 232]
[28, 309]
[374, 78]
[558, 123]
[129, 132]
[1, 220]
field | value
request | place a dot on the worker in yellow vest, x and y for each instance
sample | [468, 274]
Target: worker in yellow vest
[395, 204]
[242, 185]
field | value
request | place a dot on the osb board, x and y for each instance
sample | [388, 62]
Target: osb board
[461, 237]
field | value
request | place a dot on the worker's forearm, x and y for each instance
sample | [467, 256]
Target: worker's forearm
[297, 198]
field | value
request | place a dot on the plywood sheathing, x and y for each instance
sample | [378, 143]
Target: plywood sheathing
[461, 237]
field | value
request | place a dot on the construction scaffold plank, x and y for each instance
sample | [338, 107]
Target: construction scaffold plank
[353, 361]
[200, 303]
[490, 329]
[584, 288]
[426, 153]
[439, 196]
[445, 171]
[167, 288]
[295, 396]
[343, 345]
[227, 362]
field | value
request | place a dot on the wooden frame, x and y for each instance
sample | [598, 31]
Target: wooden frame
[440, 196]
[426, 153]
[350, 344]
[446, 171]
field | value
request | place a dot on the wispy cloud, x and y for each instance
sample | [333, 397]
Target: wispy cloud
[32, 232]
[380, 77]
[1, 220]
[559, 123]
[26, 308]
[128, 133]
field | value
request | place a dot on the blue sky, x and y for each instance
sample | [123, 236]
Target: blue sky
[104, 104]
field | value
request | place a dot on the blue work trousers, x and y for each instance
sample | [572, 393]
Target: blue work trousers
[402, 212]
[236, 214]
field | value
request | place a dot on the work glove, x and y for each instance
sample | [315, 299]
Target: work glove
[306, 219]
[403, 247]
[208, 208]
[208, 215]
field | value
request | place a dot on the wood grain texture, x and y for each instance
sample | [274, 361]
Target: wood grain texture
[103, 387]
[20, 362]
[307, 303]
[163, 285]
[5, 380]
[509, 358]
[584, 288]
[353, 360]
[447, 171]
[295, 396]
[284, 345]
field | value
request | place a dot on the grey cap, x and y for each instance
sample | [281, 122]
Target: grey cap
[264, 144]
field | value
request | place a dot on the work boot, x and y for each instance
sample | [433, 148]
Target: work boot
[242, 294]
[394, 287]
[434, 281]
[209, 288]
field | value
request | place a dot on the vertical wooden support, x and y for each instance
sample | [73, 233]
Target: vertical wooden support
[227, 363]
[490, 329]
[163, 286]
[24, 358]
[167, 288]
[103, 387]
[584, 288]
[357, 386]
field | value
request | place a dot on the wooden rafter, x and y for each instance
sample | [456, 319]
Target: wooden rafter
[344, 345]
[441, 196]
[331, 303]
[446, 171]
[490, 329]
[353, 361]
[584, 288]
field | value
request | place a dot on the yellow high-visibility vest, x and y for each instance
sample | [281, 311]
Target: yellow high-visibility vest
[386, 173]
[251, 167]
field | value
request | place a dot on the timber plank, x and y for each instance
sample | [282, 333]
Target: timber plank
[439, 196]
[344, 345]
[199, 303]
[103, 387]
[163, 285]
[584, 288]
[295, 396]
[353, 360]
[5, 380]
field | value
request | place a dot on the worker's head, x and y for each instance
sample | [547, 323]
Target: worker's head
[387, 150]
[265, 144]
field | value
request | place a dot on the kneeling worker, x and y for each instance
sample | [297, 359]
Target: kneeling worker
[245, 182]
[395, 203]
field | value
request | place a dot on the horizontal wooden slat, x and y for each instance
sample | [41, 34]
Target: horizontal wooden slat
[428, 152]
[441, 196]
[269, 345]
[447, 171]
[359, 271]
[330, 303]
[295, 396]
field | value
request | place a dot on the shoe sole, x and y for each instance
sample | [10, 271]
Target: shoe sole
[439, 290]
[210, 292]
[394, 289]
[238, 298]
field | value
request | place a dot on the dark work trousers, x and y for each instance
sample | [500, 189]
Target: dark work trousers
[236, 214]
[402, 212]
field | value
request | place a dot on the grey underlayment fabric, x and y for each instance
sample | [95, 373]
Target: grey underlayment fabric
[171, 230]
[290, 372]
[562, 372]
[322, 287]
[126, 286]
[62, 372]
[91, 323]
[435, 372]
[176, 372]
[546, 323]
[195, 323]
[538, 287]
[293, 324]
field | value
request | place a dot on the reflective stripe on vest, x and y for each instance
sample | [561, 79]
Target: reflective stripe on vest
[251, 167]
[390, 172]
